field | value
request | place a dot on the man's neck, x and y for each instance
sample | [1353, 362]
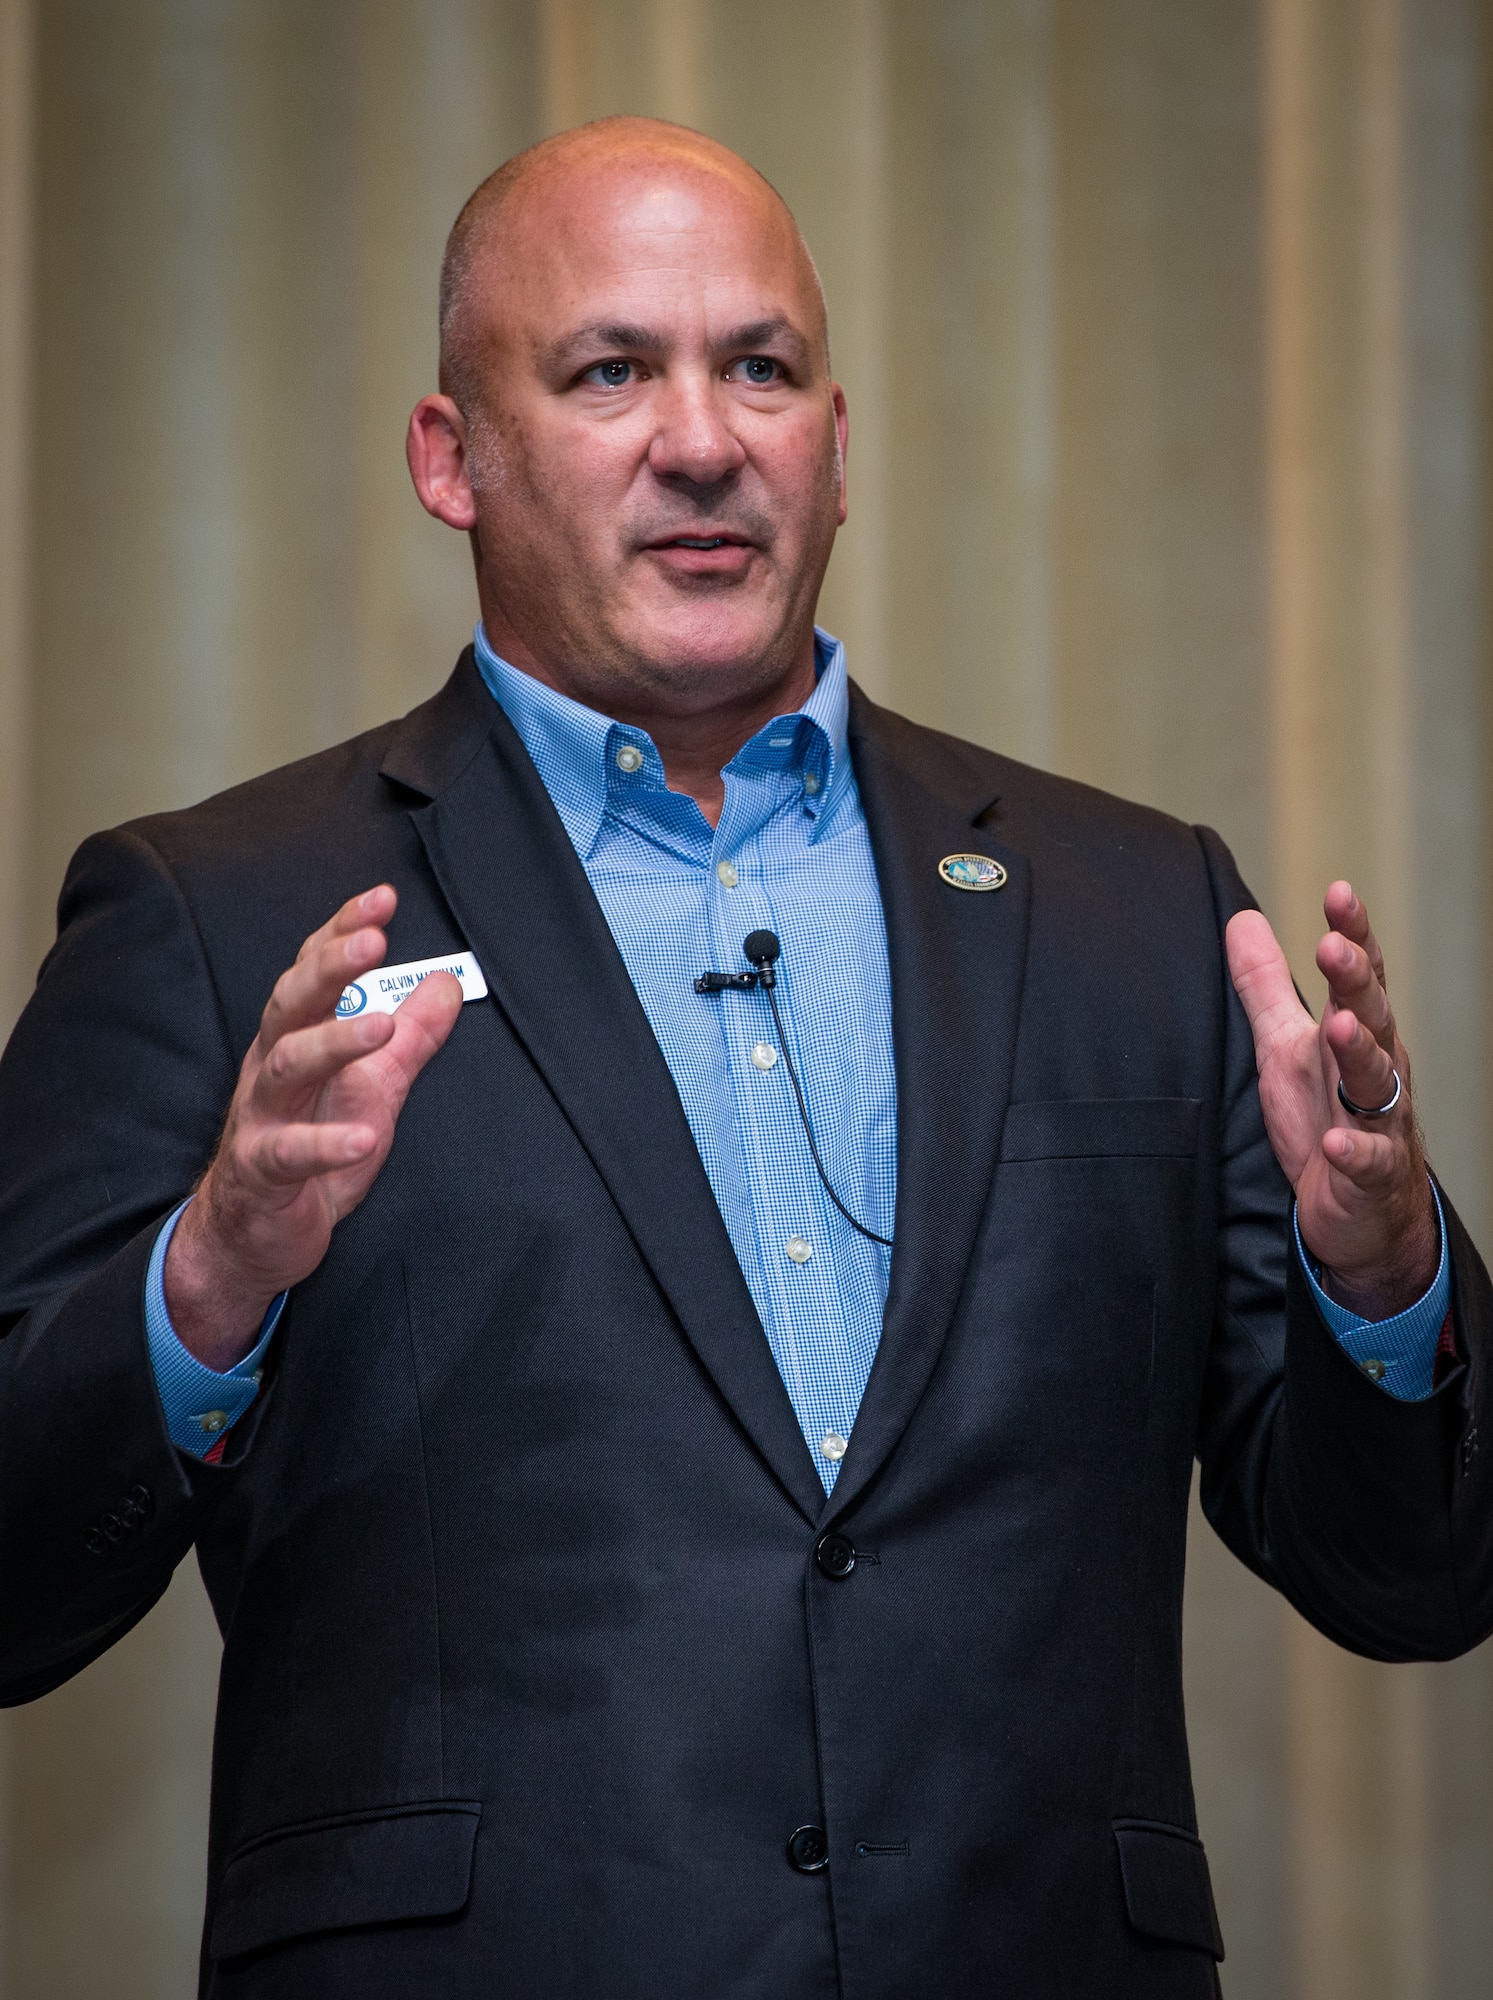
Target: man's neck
[695, 748]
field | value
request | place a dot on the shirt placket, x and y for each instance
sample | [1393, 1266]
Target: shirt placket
[796, 1248]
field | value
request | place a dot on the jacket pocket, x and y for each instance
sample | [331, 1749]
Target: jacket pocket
[1086, 1128]
[1168, 1893]
[382, 1866]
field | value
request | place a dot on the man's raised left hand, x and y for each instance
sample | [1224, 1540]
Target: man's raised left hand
[1363, 1199]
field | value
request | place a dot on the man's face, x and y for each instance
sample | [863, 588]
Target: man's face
[656, 462]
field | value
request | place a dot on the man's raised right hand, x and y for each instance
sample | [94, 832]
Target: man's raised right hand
[309, 1128]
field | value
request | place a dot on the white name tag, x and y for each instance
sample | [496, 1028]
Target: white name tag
[381, 991]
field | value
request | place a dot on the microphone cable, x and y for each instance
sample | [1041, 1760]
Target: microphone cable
[762, 950]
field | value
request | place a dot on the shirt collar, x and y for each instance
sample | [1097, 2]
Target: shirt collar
[575, 749]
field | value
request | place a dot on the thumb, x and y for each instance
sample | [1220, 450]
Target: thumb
[422, 1023]
[1262, 979]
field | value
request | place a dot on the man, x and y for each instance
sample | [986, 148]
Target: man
[692, 1472]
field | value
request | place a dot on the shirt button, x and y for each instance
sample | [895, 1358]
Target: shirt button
[834, 1447]
[1373, 1368]
[629, 758]
[811, 783]
[799, 1249]
[213, 1421]
[726, 870]
[764, 1055]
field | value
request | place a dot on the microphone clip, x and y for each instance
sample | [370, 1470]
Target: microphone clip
[726, 982]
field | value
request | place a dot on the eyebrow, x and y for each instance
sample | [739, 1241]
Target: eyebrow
[647, 339]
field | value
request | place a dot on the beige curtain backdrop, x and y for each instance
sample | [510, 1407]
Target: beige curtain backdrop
[1165, 329]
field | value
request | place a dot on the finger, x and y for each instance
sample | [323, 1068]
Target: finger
[422, 1023]
[1352, 983]
[286, 1155]
[310, 989]
[1262, 979]
[1367, 1070]
[1347, 914]
[1372, 1161]
[370, 906]
[299, 1062]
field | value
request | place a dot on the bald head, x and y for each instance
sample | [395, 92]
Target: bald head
[515, 211]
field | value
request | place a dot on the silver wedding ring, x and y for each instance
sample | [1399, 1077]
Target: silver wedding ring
[1362, 1110]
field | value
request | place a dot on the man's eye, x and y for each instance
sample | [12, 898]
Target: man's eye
[610, 374]
[758, 369]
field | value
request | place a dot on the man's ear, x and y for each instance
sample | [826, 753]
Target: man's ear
[435, 447]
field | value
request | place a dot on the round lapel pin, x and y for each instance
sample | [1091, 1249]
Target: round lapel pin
[972, 871]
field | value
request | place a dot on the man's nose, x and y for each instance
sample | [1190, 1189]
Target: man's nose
[694, 439]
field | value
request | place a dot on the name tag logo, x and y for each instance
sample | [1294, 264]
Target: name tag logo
[382, 990]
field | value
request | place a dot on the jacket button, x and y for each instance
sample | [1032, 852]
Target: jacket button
[808, 1849]
[835, 1556]
[94, 1542]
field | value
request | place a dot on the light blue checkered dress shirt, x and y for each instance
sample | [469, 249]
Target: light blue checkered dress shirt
[791, 854]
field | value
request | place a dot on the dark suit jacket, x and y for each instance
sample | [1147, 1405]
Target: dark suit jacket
[530, 1670]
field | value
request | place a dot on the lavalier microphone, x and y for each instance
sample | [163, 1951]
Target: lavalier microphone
[762, 950]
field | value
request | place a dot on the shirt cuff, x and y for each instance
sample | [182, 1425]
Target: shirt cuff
[200, 1404]
[1400, 1353]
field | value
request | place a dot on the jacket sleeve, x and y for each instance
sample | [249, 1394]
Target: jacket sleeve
[112, 1091]
[1371, 1515]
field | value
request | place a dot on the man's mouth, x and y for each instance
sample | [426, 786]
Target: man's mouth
[706, 542]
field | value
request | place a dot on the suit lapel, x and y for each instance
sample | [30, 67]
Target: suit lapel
[520, 895]
[957, 961]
